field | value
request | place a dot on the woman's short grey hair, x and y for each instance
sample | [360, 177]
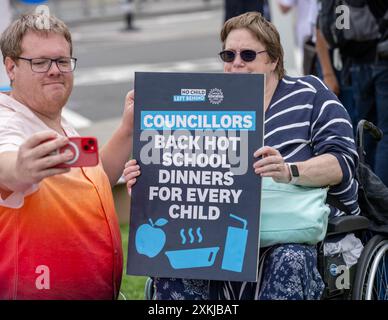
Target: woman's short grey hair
[264, 31]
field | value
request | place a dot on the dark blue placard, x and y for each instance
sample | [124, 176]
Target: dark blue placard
[195, 208]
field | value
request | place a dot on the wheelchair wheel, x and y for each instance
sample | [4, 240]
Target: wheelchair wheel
[371, 279]
[149, 289]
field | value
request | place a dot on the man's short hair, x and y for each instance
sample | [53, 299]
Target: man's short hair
[11, 38]
[263, 30]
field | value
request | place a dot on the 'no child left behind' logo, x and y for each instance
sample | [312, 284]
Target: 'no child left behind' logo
[215, 96]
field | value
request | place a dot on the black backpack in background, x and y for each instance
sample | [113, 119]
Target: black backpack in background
[354, 38]
[372, 198]
[372, 192]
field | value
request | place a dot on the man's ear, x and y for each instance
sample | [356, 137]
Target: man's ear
[10, 68]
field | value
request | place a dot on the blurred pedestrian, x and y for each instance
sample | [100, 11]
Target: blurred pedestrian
[129, 9]
[306, 13]
[336, 77]
[370, 86]
[236, 7]
[359, 55]
[304, 30]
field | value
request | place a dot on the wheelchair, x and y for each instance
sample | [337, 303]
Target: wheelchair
[368, 278]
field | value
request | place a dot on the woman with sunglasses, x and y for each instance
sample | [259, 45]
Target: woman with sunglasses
[308, 141]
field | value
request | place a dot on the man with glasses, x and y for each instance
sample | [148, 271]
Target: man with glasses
[42, 65]
[59, 234]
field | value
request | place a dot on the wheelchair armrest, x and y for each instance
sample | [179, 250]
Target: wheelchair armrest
[346, 224]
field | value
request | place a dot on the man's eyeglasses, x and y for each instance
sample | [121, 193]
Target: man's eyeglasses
[43, 65]
[246, 55]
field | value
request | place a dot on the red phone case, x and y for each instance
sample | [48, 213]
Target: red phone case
[85, 150]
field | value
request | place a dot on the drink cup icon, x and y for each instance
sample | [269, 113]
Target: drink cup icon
[235, 244]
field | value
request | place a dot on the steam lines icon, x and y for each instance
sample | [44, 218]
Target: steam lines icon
[198, 232]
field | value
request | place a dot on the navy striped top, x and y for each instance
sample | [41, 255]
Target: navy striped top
[305, 119]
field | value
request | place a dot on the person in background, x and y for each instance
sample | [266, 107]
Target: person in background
[306, 11]
[236, 7]
[304, 30]
[357, 68]
[333, 68]
[369, 76]
[129, 13]
[60, 237]
[305, 126]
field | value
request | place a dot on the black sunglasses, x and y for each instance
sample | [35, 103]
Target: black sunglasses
[246, 55]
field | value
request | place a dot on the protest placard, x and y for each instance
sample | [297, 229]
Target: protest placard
[195, 208]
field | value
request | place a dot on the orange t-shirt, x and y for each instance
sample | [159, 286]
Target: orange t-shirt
[63, 240]
[64, 243]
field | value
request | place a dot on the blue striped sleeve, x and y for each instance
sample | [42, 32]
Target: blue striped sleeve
[332, 132]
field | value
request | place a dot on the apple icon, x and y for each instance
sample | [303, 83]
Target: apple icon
[149, 239]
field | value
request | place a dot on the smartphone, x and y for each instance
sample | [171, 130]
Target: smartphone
[85, 151]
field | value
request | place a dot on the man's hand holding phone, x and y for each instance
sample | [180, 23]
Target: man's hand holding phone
[84, 150]
[37, 159]
[46, 154]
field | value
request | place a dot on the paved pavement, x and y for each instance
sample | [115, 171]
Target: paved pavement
[75, 12]
[96, 27]
[162, 44]
[177, 43]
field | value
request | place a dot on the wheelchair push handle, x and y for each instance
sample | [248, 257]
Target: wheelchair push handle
[374, 131]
